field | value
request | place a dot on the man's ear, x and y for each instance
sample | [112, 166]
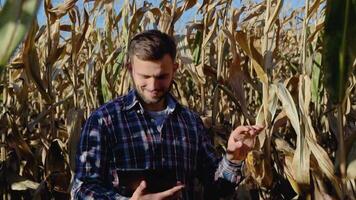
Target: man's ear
[175, 67]
[129, 66]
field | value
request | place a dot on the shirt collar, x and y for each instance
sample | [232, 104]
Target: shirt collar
[131, 100]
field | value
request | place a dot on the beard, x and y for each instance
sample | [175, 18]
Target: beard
[152, 100]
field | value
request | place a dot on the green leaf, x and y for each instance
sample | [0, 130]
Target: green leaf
[107, 96]
[15, 20]
[118, 66]
[197, 47]
[316, 78]
[339, 46]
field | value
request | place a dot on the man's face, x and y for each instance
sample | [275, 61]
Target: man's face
[152, 80]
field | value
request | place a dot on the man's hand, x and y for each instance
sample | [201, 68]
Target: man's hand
[141, 194]
[241, 141]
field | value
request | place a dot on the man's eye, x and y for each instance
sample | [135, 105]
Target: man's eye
[161, 77]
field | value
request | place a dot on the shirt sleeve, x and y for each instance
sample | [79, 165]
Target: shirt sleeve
[92, 180]
[229, 171]
[218, 175]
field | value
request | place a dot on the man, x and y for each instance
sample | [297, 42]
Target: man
[149, 129]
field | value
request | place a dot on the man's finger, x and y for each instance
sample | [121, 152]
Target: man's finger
[241, 129]
[252, 132]
[255, 130]
[240, 133]
[171, 192]
[140, 188]
[258, 127]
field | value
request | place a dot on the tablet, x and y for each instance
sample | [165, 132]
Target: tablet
[158, 180]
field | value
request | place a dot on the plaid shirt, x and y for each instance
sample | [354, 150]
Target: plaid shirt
[121, 135]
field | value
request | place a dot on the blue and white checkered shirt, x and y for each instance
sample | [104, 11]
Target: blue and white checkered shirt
[121, 135]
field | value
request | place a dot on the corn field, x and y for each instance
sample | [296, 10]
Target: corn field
[291, 70]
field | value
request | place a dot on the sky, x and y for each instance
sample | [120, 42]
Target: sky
[189, 15]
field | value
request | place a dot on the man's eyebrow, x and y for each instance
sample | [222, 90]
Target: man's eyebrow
[158, 75]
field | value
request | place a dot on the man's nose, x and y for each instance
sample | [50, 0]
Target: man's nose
[153, 84]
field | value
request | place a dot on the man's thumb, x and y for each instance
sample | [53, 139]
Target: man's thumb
[139, 190]
[142, 185]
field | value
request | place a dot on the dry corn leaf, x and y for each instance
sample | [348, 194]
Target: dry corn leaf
[63, 8]
[324, 162]
[351, 158]
[274, 16]
[69, 68]
[255, 12]
[55, 160]
[73, 121]
[137, 18]
[20, 146]
[19, 183]
[320, 190]
[208, 38]
[289, 171]
[302, 153]
[79, 43]
[314, 8]
[32, 66]
[256, 57]
[318, 28]
[184, 52]
[189, 4]
[259, 169]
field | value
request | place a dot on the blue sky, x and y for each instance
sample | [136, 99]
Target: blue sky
[187, 15]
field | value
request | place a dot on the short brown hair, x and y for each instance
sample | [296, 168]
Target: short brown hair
[152, 45]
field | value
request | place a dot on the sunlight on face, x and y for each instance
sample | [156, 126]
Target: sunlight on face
[152, 80]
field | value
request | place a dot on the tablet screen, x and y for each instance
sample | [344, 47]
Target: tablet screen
[157, 180]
